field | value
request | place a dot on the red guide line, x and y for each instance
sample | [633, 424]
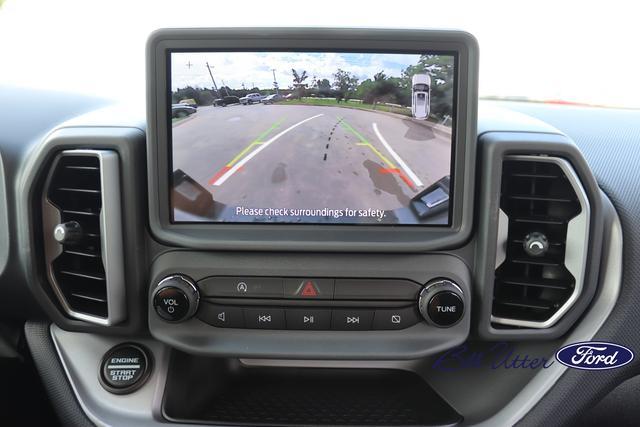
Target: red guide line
[219, 174]
[400, 174]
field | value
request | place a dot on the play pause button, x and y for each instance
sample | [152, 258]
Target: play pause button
[301, 318]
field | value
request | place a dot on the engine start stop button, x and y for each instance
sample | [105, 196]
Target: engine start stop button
[125, 368]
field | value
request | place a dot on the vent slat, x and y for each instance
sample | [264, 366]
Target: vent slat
[89, 298]
[83, 275]
[538, 283]
[539, 221]
[535, 261]
[78, 190]
[82, 253]
[534, 304]
[540, 198]
[74, 212]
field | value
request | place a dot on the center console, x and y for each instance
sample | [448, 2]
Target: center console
[322, 222]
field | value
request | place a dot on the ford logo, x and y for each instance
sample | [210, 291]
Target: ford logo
[594, 356]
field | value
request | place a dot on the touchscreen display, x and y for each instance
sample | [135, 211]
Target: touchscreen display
[311, 137]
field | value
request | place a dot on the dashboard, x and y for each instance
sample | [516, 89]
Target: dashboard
[367, 251]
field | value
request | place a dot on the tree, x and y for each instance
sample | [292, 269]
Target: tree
[324, 87]
[298, 82]
[345, 84]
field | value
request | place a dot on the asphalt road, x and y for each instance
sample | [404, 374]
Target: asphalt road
[287, 156]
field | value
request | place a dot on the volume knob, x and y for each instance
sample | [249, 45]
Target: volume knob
[176, 298]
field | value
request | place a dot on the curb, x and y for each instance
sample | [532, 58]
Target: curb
[183, 121]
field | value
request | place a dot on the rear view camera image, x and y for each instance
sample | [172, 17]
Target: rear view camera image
[303, 137]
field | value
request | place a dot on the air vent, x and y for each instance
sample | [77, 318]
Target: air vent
[542, 244]
[83, 235]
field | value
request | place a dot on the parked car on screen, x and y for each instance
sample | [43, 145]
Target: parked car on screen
[181, 110]
[190, 102]
[252, 98]
[270, 99]
[227, 100]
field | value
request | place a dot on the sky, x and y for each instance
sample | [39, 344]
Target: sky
[254, 69]
[582, 51]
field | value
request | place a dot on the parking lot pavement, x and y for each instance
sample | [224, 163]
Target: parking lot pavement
[288, 156]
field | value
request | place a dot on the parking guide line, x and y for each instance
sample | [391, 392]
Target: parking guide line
[365, 142]
[398, 159]
[253, 143]
[231, 170]
[392, 167]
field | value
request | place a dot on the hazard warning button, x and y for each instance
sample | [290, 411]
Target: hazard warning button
[308, 288]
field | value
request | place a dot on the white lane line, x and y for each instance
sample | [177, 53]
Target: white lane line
[264, 145]
[401, 162]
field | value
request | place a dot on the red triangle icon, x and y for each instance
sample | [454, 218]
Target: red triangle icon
[308, 290]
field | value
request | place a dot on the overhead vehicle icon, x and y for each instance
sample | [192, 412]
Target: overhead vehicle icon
[421, 96]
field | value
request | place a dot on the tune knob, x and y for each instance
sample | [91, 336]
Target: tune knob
[441, 303]
[176, 298]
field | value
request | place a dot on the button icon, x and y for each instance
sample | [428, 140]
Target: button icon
[242, 287]
[308, 289]
[222, 316]
[396, 318]
[354, 319]
[307, 319]
[264, 318]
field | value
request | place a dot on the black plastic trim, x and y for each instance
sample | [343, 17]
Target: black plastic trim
[53, 376]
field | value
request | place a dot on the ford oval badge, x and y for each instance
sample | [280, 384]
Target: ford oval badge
[594, 355]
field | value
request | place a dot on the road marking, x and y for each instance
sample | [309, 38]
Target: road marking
[262, 146]
[395, 155]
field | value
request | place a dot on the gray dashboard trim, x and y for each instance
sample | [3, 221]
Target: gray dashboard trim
[4, 221]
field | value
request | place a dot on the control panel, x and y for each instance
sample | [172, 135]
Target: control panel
[304, 303]
[291, 305]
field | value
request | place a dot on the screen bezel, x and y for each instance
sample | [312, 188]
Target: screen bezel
[287, 236]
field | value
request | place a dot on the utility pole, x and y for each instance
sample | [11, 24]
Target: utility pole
[275, 82]
[214, 82]
[225, 87]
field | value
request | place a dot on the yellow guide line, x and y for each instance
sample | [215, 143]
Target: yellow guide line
[255, 142]
[363, 141]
